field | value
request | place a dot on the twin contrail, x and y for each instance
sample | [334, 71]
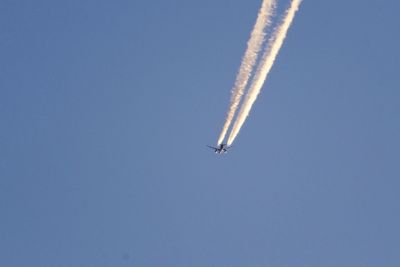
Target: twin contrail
[249, 59]
[265, 65]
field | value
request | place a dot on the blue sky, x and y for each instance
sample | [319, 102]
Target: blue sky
[106, 108]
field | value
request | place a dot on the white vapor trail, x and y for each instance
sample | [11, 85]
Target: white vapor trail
[249, 59]
[265, 66]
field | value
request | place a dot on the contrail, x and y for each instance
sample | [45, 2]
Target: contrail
[269, 56]
[249, 59]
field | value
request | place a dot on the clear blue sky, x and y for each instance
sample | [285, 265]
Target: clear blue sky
[106, 108]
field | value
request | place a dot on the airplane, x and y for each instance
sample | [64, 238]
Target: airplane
[221, 149]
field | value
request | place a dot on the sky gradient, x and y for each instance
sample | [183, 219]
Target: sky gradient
[106, 108]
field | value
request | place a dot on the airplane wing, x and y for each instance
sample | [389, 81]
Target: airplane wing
[212, 147]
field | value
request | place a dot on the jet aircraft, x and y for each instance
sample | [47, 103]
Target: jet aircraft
[221, 149]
